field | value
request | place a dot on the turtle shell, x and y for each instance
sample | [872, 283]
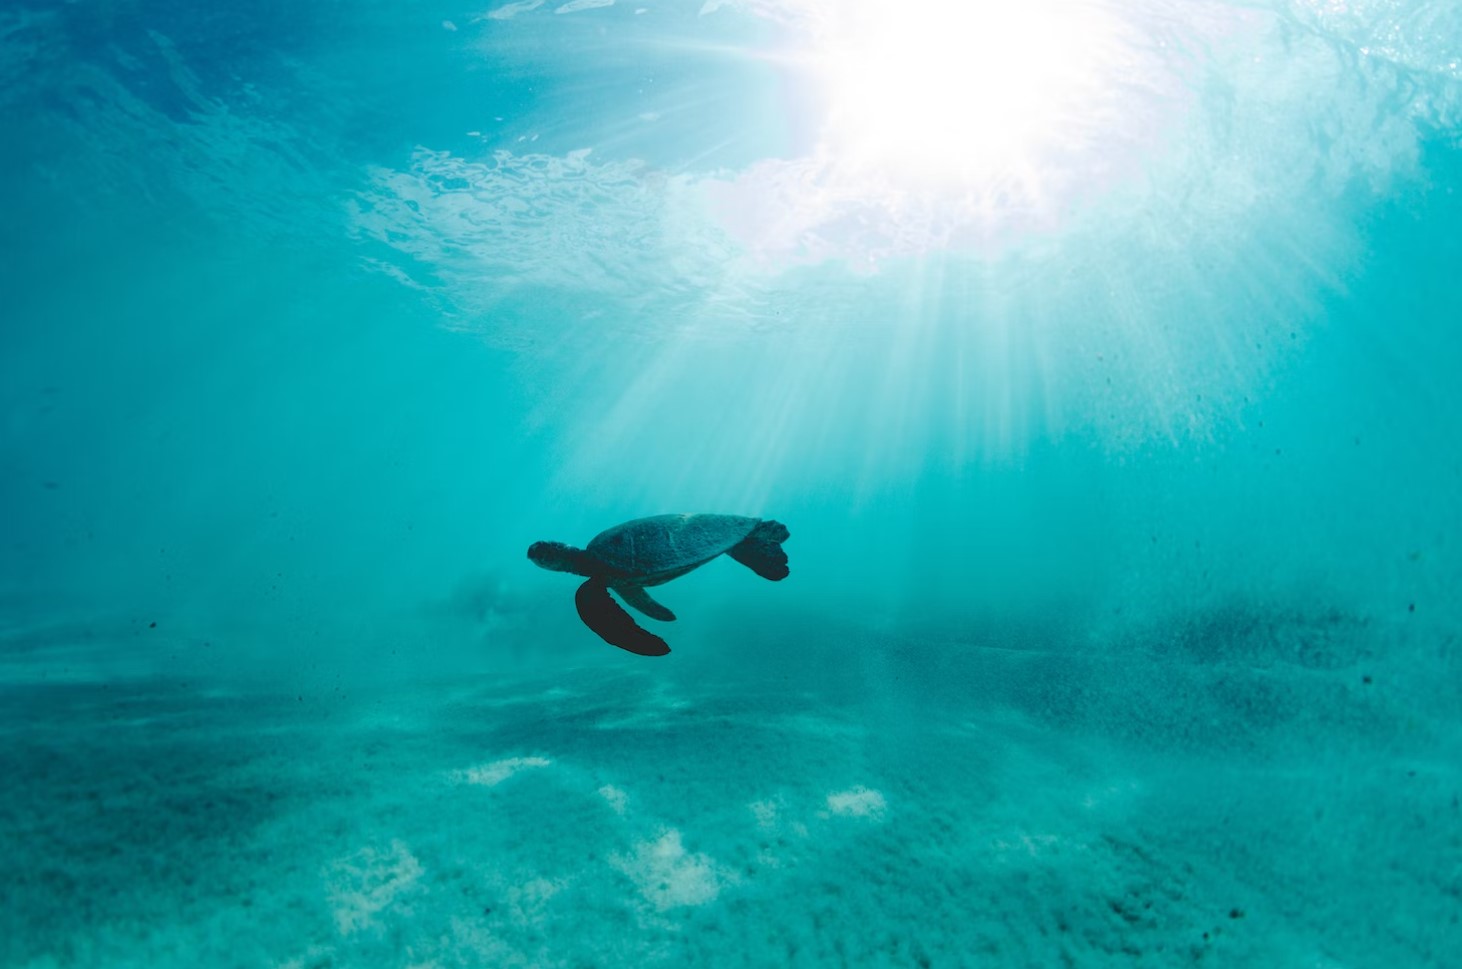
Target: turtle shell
[665, 546]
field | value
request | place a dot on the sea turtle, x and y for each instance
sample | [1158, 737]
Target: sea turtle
[651, 551]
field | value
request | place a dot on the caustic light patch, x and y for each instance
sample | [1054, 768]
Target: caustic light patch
[368, 883]
[616, 798]
[491, 775]
[670, 877]
[858, 802]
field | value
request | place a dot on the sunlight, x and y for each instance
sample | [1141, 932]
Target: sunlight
[960, 90]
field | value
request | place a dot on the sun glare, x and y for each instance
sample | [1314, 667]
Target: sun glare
[959, 90]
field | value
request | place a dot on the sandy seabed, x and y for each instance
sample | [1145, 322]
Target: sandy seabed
[800, 798]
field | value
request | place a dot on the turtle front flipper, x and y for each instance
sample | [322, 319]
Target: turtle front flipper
[612, 624]
[636, 596]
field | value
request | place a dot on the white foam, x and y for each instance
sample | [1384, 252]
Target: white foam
[510, 10]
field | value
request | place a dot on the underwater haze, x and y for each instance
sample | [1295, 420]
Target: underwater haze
[1101, 358]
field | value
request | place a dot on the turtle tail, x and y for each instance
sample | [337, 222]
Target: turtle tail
[761, 551]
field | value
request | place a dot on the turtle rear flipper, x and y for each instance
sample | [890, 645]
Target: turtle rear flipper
[761, 551]
[637, 597]
[612, 624]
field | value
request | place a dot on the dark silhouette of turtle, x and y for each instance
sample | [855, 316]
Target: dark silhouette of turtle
[652, 551]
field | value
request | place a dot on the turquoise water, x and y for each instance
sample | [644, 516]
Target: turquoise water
[1115, 424]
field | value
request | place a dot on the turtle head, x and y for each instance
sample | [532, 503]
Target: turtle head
[558, 557]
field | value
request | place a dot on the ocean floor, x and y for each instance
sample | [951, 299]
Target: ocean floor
[1244, 789]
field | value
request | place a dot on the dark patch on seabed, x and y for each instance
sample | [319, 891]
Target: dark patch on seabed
[1242, 788]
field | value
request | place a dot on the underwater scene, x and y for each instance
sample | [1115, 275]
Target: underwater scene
[666, 483]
